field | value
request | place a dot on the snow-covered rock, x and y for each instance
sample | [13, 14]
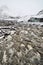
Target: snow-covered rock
[39, 14]
[24, 19]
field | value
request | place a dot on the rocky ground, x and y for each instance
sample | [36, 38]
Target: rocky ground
[21, 44]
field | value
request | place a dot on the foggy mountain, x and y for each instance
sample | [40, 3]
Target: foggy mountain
[4, 12]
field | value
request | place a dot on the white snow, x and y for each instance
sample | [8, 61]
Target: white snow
[24, 18]
[38, 16]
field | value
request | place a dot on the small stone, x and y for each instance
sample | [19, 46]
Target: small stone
[10, 45]
[0, 30]
[21, 39]
[41, 45]
[34, 35]
[38, 56]
[22, 45]
[1, 37]
[12, 32]
[42, 37]
[19, 54]
[23, 31]
[29, 47]
[5, 57]
[26, 51]
[28, 29]
[9, 38]
[26, 32]
[11, 51]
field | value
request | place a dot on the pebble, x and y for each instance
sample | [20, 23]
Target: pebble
[5, 57]
[29, 47]
[23, 31]
[19, 54]
[1, 37]
[42, 37]
[22, 45]
[9, 38]
[12, 32]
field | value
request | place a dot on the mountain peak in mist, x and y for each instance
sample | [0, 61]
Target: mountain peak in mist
[40, 12]
[4, 11]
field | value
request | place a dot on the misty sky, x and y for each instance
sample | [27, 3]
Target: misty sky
[23, 7]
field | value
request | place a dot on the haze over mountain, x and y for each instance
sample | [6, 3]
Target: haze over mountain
[23, 7]
[5, 13]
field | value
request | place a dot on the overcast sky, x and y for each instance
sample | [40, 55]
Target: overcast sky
[23, 7]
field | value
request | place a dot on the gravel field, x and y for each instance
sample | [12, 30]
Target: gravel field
[21, 44]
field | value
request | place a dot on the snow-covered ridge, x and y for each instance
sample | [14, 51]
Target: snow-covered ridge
[26, 18]
[5, 14]
[39, 14]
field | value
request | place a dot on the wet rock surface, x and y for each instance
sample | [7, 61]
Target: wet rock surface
[21, 44]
